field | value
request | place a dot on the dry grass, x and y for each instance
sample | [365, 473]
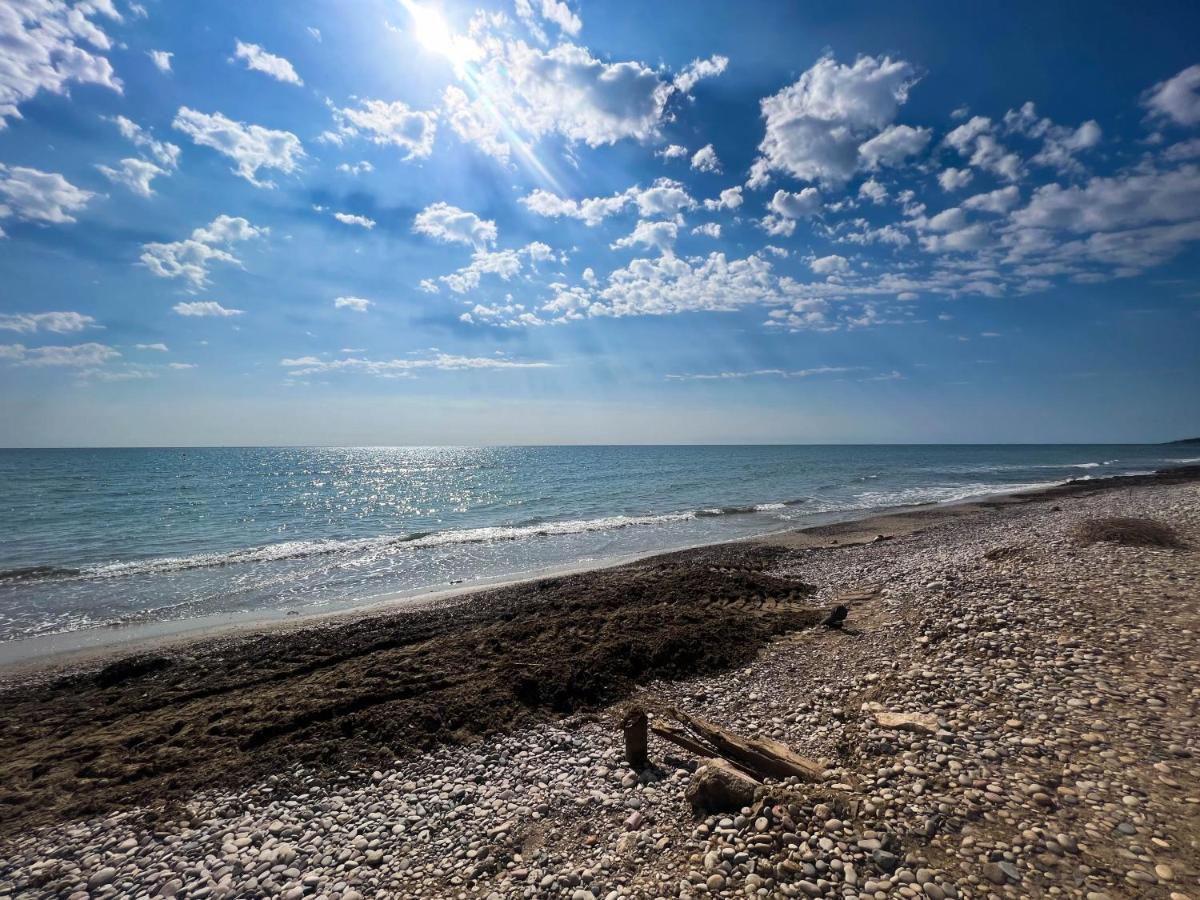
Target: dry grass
[1128, 531]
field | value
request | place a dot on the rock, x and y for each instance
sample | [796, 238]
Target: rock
[719, 787]
[884, 861]
[922, 723]
[993, 873]
[104, 876]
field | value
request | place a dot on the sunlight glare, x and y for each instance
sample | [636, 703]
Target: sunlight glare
[433, 33]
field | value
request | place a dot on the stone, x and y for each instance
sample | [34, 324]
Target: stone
[718, 787]
[884, 861]
[922, 723]
[102, 877]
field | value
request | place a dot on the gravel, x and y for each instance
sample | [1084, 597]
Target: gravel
[1056, 683]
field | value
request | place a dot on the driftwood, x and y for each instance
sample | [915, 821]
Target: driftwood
[762, 756]
[757, 757]
[634, 727]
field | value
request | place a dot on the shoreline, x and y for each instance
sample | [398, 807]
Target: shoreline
[476, 750]
[50, 655]
[353, 691]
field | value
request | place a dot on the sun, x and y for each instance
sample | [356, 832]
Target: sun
[434, 34]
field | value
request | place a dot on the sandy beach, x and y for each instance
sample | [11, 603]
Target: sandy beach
[470, 748]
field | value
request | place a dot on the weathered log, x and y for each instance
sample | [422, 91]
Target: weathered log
[680, 737]
[763, 757]
[634, 727]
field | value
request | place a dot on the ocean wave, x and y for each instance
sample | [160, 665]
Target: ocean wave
[295, 550]
[36, 573]
[359, 550]
[919, 496]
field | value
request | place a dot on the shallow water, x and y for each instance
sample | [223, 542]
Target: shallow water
[102, 537]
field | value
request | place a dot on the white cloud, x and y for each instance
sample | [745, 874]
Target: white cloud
[554, 11]
[708, 229]
[670, 284]
[705, 159]
[387, 124]
[205, 308]
[314, 33]
[164, 153]
[181, 366]
[35, 196]
[76, 355]
[351, 219]
[158, 348]
[951, 179]
[357, 304]
[651, 234]
[1059, 143]
[959, 240]
[762, 373]
[252, 147]
[538, 252]
[672, 151]
[356, 168]
[189, 259]
[447, 223]
[135, 174]
[665, 197]
[777, 226]
[48, 44]
[1177, 98]
[398, 368]
[892, 146]
[161, 60]
[58, 322]
[533, 92]
[1183, 150]
[699, 69]
[872, 190]
[1111, 203]
[730, 198]
[998, 201]
[830, 265]
[502, 263]
[798, 205]
[226, 229]
[259, 60]
[814, 127]
[976, 141]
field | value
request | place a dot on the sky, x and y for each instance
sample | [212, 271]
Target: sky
[392, 222]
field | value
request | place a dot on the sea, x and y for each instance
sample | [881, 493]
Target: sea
[111, 539]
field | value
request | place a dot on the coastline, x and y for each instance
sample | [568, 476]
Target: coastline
[472, 748]
[47, 656]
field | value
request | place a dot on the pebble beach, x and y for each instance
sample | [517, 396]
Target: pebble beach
[1049, 750]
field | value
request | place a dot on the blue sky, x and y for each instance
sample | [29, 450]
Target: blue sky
[401, 223]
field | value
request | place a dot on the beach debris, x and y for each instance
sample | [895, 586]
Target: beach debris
[837, 616]
[718, 786]
[920, 723]
[634, 727]
[131, 667]
[1129, 531]
[758, 757]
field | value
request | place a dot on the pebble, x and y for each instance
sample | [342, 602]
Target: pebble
[1050, 689]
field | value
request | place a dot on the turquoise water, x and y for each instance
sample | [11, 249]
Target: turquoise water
[102, 537]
